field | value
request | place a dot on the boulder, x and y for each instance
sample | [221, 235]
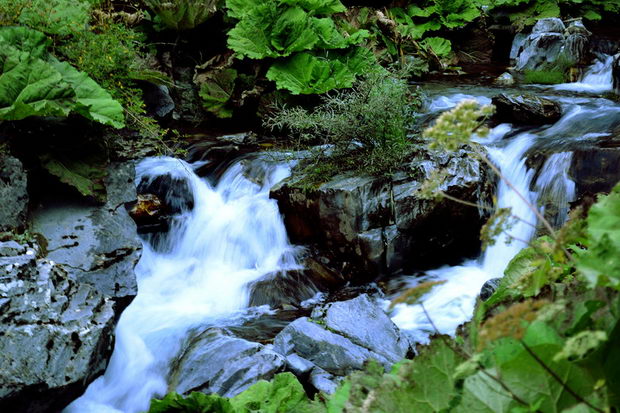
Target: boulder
[488, 288]
[157, 100]
[13, 193]
[526, 109]
[214, 362]
[551, 46]
[377, 225]
[97, 243]
[339, 338]
[505, 79]
[56, 333]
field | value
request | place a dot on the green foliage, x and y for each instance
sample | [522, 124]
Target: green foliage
[182, 14]
[280, 395]
[366, 125]
[312, 54]
[216, 90]
[600, 262]
[544, 77]
[34, 83]
[57, 17]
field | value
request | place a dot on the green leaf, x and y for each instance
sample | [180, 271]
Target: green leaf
[440, 46]
[85, 175]
[194, 403]
[182, 14]
[283, 394]
[292, 32]
[92, 101]
[600, 263]
[59, 17]
[32, 42]
[251, 36]
[217, 90]
[318, 7]
[305, 73]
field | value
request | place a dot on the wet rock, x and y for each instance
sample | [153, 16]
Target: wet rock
[149, 214]
[595, 170]
[526, 109]
[213, 362]
[157, 100]
[313, 342]
[13, 193]
[340, 337]
[323, 381]
[365, 323]
[488, 288]
[56, 333]
[505, 79]
[552, 46]
[372, 225]
[98, 244]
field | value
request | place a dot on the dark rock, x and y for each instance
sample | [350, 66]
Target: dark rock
[98, 244]
[218, 152]
[157, 100]
[149, 214]
[488, 288]
[595, 170]
[174, 193]
[213, 362]
[56, 334]
[13, 193]
[373, 225]
[549, 25]
[526, 109]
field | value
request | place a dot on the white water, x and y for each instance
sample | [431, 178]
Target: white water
[555, 184]
[452, 303]
[234, 235]
[597, 79]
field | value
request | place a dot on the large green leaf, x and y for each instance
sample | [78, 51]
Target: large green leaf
[305, 73]
[59, 17]
[440, 46]
[85, 174]
[217, 90]
[251, 36]
[283, 394]
[293, 32]
[31, 42]
[318, 7]
[183, 14]
[600, 263]
[194, 403]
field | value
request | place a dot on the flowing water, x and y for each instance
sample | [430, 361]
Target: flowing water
[234, 235]
[198, 274]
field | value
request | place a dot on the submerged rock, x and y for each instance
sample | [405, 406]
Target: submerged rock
[56, 333]
[375, 225]
[526, 109]
[214, 362]
[13, 193]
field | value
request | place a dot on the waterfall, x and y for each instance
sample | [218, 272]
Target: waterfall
[596, 79]
[234, 235]
[452, 302]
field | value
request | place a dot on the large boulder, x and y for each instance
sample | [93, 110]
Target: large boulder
[526, 109]
[377, 225]
[13, 193]
[215, 362]
[98, 243]
[339, 338]
[55, 332]
[551, 46]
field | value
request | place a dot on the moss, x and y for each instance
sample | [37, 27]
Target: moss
[544, 77]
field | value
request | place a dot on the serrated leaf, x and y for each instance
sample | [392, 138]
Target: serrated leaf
[59, 17]
[318, 7]
[440, 46]
[216, 91]
[196, 402]
[293, 32]
[283, 394]
[84, 175]
[182, 14]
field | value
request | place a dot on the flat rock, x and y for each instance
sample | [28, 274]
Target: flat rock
[526, 109]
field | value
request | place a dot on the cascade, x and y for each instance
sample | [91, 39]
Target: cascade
[234, 235]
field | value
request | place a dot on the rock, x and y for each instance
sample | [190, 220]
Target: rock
[218, 152]
[373, 225]
[341, 336]
[313, 342]
[149, 214]
[505, 79]
[526, 109]
[213, 362]
[549, 25]
[13, 193]
[552, 46]
[488, 288]
[365, 323]
[595, 170]
[55, 333]
[98, 243]
[323, 381]
[157, 100]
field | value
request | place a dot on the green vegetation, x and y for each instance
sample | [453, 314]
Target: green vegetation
[364, 128]
[544, 77]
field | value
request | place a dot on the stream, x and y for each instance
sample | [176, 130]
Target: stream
[197, 275]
